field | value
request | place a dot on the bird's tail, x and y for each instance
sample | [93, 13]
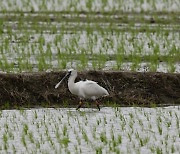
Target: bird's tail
[106, 93]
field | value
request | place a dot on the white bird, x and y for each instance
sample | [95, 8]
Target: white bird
[83, 89]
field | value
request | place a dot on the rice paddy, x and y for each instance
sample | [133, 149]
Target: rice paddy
[120, 51]
[51, 36]
[113, 130]
[38, 38]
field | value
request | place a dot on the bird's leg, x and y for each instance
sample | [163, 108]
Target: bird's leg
[98, 105]
[80, 104]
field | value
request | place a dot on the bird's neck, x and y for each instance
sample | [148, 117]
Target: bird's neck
[71, 84]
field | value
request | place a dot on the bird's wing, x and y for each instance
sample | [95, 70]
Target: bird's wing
[90, 82]
[91, 88]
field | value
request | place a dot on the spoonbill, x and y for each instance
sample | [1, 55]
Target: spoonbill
[83, 89]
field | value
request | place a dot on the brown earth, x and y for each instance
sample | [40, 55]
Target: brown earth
[125, 88]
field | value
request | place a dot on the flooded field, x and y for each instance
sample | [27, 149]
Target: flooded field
[112, 130]
[125, 51]
[92, 6]
[89, 35]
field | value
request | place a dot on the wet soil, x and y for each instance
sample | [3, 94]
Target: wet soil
[125, 88]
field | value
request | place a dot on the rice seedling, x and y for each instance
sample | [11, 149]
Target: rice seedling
[5, 140]
[90, 6]
[117, 129]
[93, 48]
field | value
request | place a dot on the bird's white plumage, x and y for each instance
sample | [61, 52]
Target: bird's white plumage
[90, 90]
[84, 89]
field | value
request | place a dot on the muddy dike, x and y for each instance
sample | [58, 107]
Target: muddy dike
[125, 88]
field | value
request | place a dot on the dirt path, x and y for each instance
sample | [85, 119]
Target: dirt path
[125, 88]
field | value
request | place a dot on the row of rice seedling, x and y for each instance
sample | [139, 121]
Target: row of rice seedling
[113, 130]
[91, 5]
[58, 22]
[34, 42]
[95, 50]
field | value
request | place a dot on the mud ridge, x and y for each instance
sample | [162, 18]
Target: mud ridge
[125, 88]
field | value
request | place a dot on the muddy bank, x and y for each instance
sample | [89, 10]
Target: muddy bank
[125, 88]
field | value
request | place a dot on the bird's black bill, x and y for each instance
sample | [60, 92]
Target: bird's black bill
[67, 75]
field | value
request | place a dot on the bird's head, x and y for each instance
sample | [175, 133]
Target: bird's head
[71, 72]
